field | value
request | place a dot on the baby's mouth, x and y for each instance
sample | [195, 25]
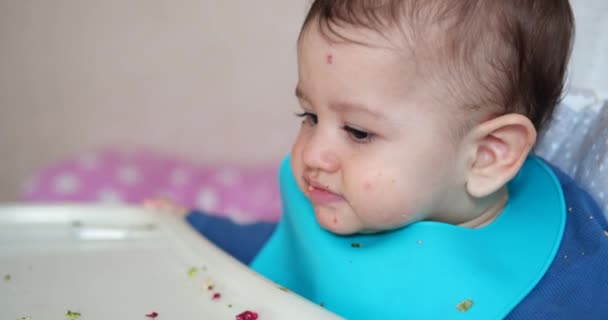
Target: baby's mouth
[321, 195]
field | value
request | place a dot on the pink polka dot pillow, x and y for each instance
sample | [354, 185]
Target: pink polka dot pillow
[246, 194]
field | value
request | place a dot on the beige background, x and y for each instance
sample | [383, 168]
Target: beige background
[210, 80]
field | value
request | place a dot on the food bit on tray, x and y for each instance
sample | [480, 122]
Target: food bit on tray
[465, 305]
[152, 315]
[25, 318]
[216, 296]
[247, 315]
[76, 223]
[72, 315]
[283, 289]
[150, 226]
[209, 284]
[356, 245]
[7, 277]
[229, 305]
[192, 272]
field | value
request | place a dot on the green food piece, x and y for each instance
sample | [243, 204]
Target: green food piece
[25, 318]
[72, 315]
[7, 278]
[192, 272]
[465, 305]
[356, 245]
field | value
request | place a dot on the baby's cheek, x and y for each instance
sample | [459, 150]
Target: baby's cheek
[378, 191]
[374, 181]
[370, 186]
[395, 207]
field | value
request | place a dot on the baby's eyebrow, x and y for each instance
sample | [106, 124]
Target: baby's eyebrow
[344, 106]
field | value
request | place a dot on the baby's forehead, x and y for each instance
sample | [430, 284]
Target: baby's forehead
[368, 69]
[391, 45]
[426, 44]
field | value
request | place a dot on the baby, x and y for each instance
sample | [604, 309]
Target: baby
[410, 191]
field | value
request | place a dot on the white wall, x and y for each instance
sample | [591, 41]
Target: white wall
[210, 80]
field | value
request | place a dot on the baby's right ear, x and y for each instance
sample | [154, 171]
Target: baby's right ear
[500, 147]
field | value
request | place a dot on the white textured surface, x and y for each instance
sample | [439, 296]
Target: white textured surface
[589, 65]
[576, 141]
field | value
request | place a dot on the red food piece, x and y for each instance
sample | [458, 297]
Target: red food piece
[152, 315]
[216, 296]
[247, 315]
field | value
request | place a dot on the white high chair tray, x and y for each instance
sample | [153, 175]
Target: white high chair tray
[109, 262]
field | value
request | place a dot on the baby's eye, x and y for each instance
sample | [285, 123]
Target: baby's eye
[309, 118]
[359, 136]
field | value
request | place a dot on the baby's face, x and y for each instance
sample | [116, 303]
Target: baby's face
[375, 150]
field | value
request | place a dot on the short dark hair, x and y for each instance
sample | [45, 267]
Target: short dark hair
[517, 51]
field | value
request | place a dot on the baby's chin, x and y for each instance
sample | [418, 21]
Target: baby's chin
[345, 224]
[332, 221]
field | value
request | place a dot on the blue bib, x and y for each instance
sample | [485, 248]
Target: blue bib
[427, 270]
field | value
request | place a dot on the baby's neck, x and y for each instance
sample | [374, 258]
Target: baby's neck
[490, 213]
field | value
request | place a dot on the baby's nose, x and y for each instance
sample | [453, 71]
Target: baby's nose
[319, 153]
